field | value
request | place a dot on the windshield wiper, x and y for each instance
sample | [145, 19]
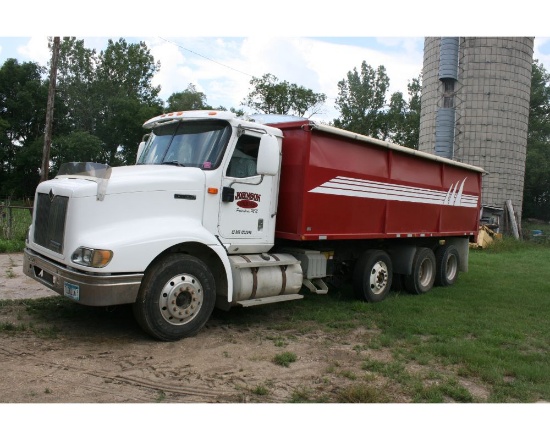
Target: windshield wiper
[174, 162]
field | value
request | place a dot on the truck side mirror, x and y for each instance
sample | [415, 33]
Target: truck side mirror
[228, 194]
[140, 150]
[142, 145]
[268, 156]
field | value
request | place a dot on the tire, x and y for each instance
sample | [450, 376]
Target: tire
[176, 298]
[422, 278]
[372, 276]
[447, 263]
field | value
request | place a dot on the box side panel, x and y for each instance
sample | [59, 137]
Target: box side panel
[353, 189]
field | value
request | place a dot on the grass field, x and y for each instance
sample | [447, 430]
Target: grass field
[491, 327]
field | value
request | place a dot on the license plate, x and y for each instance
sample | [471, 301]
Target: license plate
[71, 291]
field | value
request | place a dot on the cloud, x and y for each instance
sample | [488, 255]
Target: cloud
[36, 50]
[173, 76]
[223, 67]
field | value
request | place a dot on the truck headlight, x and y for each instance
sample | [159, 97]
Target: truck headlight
[92, 257]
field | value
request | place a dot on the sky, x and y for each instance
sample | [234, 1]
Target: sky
[222, 46]
[222, 67]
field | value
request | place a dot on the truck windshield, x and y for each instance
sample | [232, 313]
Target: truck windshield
[188, 143]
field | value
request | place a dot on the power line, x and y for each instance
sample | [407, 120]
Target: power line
[206, 58]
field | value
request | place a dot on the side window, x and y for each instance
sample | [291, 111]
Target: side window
[245, 156]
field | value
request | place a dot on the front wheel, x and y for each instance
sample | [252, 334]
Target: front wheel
[423, 272]
[372, 277]
[176, 297]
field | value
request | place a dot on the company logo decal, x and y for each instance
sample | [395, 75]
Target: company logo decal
[247, 204]
[247, 200]
[370, 189]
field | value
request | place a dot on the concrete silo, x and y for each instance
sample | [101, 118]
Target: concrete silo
[475, 109]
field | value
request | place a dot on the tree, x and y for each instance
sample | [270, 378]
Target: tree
[403, 117]
[269, 95]
[362, 100]
[189, 99]
[76, 87]
[107, 95]
[124, 84]
[412, 120]
[536, 192]
[77, 146]
[23, 96]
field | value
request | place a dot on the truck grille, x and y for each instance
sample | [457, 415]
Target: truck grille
[49, 227]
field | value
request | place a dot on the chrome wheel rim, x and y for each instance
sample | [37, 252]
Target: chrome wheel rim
[451, 267]
[378, 279]
[426, 272]
[181, 299]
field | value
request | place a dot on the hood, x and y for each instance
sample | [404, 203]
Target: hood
[127, 179]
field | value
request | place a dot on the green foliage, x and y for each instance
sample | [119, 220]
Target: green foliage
[404, 116]
[189, 99]
[362, 394]
[536, 199]
[260, 390]
[14, 224]
[9, 246]
[77, 96]
[10, 327]
[23, 96]
[362, 101]
[269, 95]
[364, 109]
[77, 146]
[301, 395]
[285, 359]
[127, 98]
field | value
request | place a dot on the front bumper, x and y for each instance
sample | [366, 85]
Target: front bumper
[84, 288]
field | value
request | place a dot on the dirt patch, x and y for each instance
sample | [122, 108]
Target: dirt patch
[14, 284]
[82, 354]
[111, 360]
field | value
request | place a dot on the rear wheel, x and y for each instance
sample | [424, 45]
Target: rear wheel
[447, 264]
[176, 298]
[422, 277]
[372, 276]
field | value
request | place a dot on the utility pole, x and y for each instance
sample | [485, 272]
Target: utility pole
[49, 112]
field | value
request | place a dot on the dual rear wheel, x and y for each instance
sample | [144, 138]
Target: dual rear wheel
[373, 275]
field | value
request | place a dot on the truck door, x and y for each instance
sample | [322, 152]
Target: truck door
[247, 210]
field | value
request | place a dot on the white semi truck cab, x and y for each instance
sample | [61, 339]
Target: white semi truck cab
[171, 233]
